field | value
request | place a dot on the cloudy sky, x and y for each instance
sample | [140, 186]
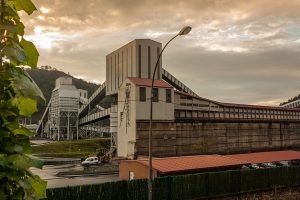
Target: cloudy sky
[238, 51]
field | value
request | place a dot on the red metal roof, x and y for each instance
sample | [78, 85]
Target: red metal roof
[148, 82]
[192, 163]
[264, 157]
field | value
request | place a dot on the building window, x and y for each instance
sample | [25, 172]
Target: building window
[168, 96]
[111, 69]
[155, 95]
[140, 61]
[115, 71]
[149, 62]
[127, 62]
[122, 66]
[118, 67]
[142, 94]
[131, 60]
[158, 67]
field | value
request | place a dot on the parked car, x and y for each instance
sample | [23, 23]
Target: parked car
[295, 162]
[283, 163]
[254, 166]
[246, 167]
[267, 165]
[90, 161]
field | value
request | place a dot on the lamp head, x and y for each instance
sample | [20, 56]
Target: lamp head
[185, 30]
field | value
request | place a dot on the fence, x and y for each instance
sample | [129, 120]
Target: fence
[192, 186]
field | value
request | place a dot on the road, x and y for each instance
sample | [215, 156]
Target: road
[49, 172]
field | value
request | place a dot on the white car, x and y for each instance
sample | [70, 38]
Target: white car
[90, 161]
[267, 165]
[283, 163]
[254, 166]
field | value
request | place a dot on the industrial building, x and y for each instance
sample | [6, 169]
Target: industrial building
[183, 122]
[139, 169]
[61, 115]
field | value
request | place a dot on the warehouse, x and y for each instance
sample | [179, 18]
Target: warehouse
[138, 169]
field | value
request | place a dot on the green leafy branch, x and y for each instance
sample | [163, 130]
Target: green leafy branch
[17, 99]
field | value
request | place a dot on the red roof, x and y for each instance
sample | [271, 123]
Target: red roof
[148, 82]
[264, 157]
[192, 163]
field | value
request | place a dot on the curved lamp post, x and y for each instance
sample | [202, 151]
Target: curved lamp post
[184, 31]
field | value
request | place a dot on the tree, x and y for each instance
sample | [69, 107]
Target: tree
[17, 99]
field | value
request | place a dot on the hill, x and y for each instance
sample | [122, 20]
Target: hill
[45, 78]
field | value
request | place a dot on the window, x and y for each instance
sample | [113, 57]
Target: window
[158, 69]
[142, 94]
[140, 61]
[168, 96]
[118, 67]
[155, 94]
[149, 62]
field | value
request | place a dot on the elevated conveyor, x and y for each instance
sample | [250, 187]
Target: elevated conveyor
[176, 83]
[44, 118]
[97, 96]
[90, 118]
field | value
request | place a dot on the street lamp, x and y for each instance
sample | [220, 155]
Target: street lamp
[184, 31]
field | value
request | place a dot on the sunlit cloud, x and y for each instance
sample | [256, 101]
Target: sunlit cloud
[273, 102]
[44, 10]
[238, 51]
[80, 77]
[41, 17]
[216, 47]
[157, 34]
[46, 40]
[96, 81]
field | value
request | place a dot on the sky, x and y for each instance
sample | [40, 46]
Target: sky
[238, 51]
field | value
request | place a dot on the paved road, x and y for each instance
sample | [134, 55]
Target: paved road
[49, 172]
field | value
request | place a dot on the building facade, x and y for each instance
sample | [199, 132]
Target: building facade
[135, 59]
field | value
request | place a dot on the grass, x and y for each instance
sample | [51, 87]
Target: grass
[70, 149]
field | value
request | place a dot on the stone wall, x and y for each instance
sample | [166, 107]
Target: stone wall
[175, 139]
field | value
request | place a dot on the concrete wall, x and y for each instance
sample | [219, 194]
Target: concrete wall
[126, 135]
[140, 171]
[133, 110]
[161, 109]
[173, 139]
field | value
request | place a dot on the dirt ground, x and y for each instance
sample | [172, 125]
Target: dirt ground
[280, 194]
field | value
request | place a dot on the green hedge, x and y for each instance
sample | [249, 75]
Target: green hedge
[192, 186]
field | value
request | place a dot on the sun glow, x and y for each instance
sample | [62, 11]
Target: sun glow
[45, 10]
